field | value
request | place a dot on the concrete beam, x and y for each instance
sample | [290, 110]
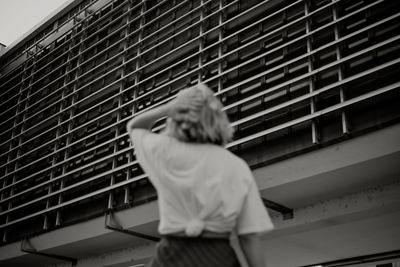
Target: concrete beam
[367, 203]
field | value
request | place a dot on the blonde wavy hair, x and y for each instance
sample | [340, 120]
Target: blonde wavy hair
[209, 124]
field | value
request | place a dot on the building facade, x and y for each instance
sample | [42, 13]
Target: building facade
[311, 88]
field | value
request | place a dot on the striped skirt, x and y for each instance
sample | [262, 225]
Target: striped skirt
[174, 251]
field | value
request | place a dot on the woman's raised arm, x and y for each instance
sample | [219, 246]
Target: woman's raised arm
[186, 99]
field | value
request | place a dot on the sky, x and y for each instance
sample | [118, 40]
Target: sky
[17, 17]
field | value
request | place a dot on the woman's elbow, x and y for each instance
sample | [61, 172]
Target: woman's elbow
[139, 122]
[130, 125]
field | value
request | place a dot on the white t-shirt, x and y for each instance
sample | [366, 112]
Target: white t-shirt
[200, 186]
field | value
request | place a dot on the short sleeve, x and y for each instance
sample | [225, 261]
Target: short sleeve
[254, 216]
[148, 148]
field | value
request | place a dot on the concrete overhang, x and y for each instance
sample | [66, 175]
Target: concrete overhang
[350, 166]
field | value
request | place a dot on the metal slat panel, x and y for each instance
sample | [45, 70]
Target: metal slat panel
[278, 66]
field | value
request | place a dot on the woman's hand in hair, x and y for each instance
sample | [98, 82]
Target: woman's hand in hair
[187, 100]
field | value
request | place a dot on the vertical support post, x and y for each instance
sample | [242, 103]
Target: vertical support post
[345, 125]
[201, 42]
[314, 129]
[81, 37]
[220, 45]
